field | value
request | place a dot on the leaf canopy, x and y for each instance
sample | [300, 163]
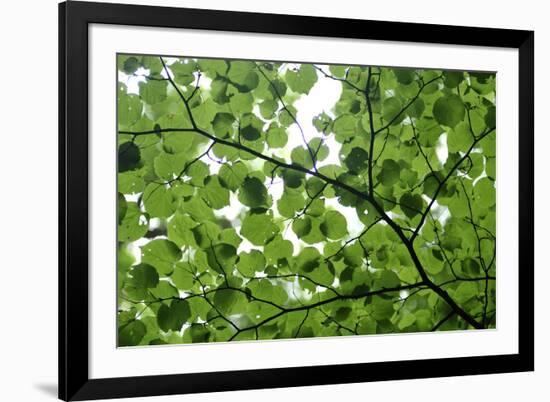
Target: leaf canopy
[273, 200]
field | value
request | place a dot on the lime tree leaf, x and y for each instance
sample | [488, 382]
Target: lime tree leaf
[169, 166]
[134, 225]
[276, 137]
[131, 334]
[197, 209]
[213, 192]
[221, 257]
[250, 263]
[158, 200]
[161, 254]
[308, 260]
[122, 207]
[345, 126]
[180, 230]
[130, 64]
[356, 160]
[233, 175]
[244, 74]
[228, 300]
[389, 175]
[130, 109]
[173, 317]
[449, 110]
[258, 228]
[253, 193]
[452, 79]
[382, 309]
[182, 276]
[144, 276]
[404, 75]
[485, 193]
[278, 249]
[392, 111]
[129, 157]
[223, 124]
[411, 204]
[153, 91]
[334, 225]
[302, 79]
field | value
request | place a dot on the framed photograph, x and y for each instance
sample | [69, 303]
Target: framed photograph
[256, 200]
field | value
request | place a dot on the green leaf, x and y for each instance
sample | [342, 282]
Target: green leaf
[276, 137]
[258, 228]
[485, 193]
[459, 138]
[250, 263]
[302, 226]
[303, 79]
[241, 103]
[161, 254]
[152, 63]
[334, 225]
[452, 79]
[128, 157]
[168, 166]
[130, 109]
[404, 75]
[406, 320]
[164, 290]
[182, 276]
[490, 117]
[449, 110]
[277, 249]
[244, 74]
[356, 160]
[308, 260]
[131, 334]
[253, 193]
[223, 124]
[197, 209]
[213, 192]
[465, 291]
[411, 204]
[176, 142]
[183, 72]
[145, 276]
[392, 111]
[251, 127]
[233, 175]
[382, 309]
[130, 65]
[134, 225]
[179, 230]
[158, 200]
[122, 207]
[389, 175]
[174, 316]
[470, 267]
[153, 91]
[345, 126]
[226, 300]
[221, 257]
[268, 108]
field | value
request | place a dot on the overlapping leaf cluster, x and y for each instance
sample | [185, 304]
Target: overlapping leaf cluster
[415, 152]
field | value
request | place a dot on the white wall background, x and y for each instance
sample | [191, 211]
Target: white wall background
[28, 199]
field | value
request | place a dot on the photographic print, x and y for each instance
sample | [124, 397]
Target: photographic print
[262, 200]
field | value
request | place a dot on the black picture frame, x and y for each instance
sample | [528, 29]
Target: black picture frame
[74, 19]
